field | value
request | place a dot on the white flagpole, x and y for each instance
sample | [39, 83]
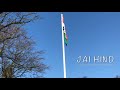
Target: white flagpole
[63, 47]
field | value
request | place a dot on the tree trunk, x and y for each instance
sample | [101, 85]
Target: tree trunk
[8, 72]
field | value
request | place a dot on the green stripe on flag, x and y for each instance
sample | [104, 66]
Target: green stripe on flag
[65, 39]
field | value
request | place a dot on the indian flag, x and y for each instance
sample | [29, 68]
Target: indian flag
[64, 31]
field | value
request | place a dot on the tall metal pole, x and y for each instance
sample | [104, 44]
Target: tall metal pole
[63, 47]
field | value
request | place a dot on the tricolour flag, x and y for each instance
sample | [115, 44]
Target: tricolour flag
[64, 31]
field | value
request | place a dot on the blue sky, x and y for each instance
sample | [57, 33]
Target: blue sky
[89, 34]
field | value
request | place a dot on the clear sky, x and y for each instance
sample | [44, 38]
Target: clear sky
[89, 34]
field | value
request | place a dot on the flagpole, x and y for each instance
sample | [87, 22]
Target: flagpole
[63, 48]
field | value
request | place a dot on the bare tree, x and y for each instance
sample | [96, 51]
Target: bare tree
[18, 57]
[16, 18]
[117, 76]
